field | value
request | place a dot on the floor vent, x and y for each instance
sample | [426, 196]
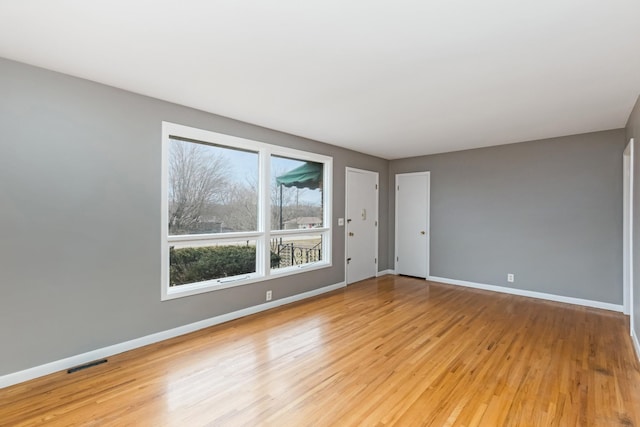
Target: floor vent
[86, 365]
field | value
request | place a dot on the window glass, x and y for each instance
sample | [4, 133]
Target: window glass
[193, 263]
[211, 189]
[296, 194]
[291, 251]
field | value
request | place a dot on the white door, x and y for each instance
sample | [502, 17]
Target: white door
[361, 224]
[412, 224]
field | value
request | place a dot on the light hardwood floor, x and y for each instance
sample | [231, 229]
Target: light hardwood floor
[386, 351]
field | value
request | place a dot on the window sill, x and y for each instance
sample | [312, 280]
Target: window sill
[217, 285]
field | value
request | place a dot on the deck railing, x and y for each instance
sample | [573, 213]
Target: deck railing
[291, 254]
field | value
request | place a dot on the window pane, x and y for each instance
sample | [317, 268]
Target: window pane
[290, 251]
[189, 263]
[296, 194]
[212, 189]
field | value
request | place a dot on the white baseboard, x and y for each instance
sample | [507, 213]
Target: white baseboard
[385, 272]
[532, 294]
[80, 359]
[636, 343]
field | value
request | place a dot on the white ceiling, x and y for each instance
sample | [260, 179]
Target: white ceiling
[392, 79]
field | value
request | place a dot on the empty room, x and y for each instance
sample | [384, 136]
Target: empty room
[242, 213]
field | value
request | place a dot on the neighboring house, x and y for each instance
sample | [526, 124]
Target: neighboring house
[303, 223]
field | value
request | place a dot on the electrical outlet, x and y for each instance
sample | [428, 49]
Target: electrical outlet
[511, 278]
[269, 295]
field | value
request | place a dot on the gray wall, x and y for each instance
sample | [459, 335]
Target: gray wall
[548, 211]
[80, 215]
[633, 131]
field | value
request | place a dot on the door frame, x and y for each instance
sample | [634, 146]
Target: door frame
[346, 206]
[395, 192]
[627, 231]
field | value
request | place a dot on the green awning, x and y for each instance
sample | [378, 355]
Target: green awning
[308, 175]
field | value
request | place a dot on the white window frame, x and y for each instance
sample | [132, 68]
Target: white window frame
[264, 234]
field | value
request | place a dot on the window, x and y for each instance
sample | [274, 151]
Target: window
[237, 211]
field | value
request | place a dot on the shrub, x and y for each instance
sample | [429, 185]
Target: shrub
[191, 265]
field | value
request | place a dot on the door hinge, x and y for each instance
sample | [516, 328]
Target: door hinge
[375, 260]
[397, 258]
[376, 186]
[398, 188]
[376, 223]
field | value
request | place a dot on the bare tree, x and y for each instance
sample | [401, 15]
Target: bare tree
[239, 208]
[197, 179]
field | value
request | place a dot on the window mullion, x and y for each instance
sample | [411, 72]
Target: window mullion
[298, 231]
[213, 237]
[265, 211]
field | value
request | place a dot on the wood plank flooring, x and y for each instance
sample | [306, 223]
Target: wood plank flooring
[386, 351]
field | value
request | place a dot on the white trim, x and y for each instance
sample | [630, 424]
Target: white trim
[66, 363]
[346, 215]
[632, 313]
[627, 230]
[164, 212]
[385, 272]
[636, 343]
[531, 294]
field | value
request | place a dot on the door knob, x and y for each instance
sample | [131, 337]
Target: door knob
[350, 234]
[423, 232]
